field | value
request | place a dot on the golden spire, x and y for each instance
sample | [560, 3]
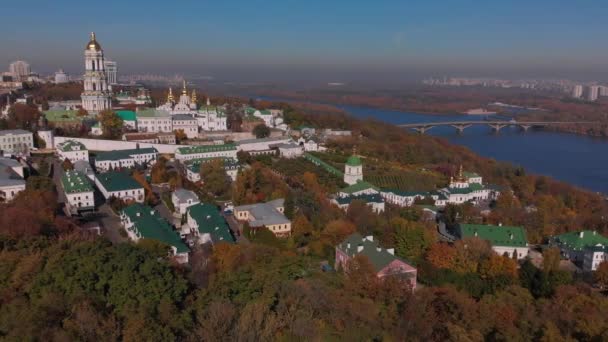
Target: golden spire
[170, 96]
[93, 45]
[184, 90]
[460, 172]
[194, 95]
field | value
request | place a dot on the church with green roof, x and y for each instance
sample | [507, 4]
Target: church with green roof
[585, 248]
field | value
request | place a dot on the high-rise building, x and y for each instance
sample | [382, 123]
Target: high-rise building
[577, 91]
[603, 91]
[593, 92]
[97, 95]
[20, 70]
[111, 71]
[61, 77]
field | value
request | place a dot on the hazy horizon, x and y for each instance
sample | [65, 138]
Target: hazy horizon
[390, 41]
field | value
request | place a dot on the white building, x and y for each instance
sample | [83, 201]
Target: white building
[187, 123]
[78, 191]
[183, 199]
[269, 215]
[11, 179]
[353, 170]
[374, 201]
[20, 70]
[205, 222]
[154, 121]
[206, 151]
[208, 118]
[119, 185]
[290, 150]
[97, 95]
[193, 168]
[586, 248]
[120, 159]
[72, 150]
[143, 222]
[505, 240]
[111, 71]
[262, 146]
[466, 187]
[16, 141]
[577, 91]
[403, 198]
[593, 92]
[61, 77]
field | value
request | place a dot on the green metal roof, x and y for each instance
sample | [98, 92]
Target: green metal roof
[574, 240]
[127, 115]
[471, 188]
[359, 186]
[71, 145]
[206, 148]
[75, 182]
[148, 223]
[353, 161]
[123, 154]
[373, 198]
[468, 175]
[118, 181]
[210, 222]
[509, 236]
[151, 113]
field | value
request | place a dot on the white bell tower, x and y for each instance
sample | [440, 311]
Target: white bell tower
[97, 95]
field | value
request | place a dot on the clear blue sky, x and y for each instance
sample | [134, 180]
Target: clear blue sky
[433, 36]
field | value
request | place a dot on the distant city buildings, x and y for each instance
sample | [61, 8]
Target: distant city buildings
[111, 71]
[61, 77]
[20, 70]
[577, 91]
[593, 93]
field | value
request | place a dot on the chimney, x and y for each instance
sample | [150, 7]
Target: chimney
[581, 234]
[500, 224]
[152, 212]
[379, 249]
[391, 251]
[138, 214]
[370, 238]
[511, 236]
[359, 248]
[475, 233]
[348, 245]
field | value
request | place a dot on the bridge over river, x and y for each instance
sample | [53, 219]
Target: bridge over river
[495, 125]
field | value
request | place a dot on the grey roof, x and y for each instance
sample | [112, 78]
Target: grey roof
[8, 176]
[14, 132]
[184, 195]
[289, 145]
[265, 213]
[83, 166]
[183, 117]
[269, 139]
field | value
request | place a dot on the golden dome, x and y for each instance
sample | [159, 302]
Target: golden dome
[93, 45]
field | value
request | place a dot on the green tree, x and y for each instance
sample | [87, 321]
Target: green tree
[411, 239]
[261, 131]
[214, 177]
[289, 205]
[111, 124]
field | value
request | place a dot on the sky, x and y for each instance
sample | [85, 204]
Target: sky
[325, 39]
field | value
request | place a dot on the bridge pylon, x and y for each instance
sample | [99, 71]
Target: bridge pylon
[496, 127]
[460, 127]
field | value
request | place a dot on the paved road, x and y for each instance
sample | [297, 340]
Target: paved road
[110, 224]
[57, 171]
[236, 228]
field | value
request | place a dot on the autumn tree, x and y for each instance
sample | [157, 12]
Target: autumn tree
[412, 239]
[180, 135]
[601, 275]
[111, 124]
[158, 173]
[150, 196]
[67, 165]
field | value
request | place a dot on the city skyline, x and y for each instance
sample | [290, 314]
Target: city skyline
[316, 40]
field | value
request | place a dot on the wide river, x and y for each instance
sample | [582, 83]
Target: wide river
[579, 160]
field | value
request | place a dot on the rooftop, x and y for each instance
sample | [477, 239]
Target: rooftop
[211, 222]
[127, 115]
[150, 225]
[8, 176]
[71, 145]
[265, 214]
[123, 154]
[152, 113]
[194, 165]
[359, 186]
[580, 240]
[373, 198]
[75, 182]
[183, 117]
[62, 115]
[14, 132]
[206, 148]
[353, 161]
[269, 139]
[509, 236]
[118, 181]
[184, 195]
[356, 244]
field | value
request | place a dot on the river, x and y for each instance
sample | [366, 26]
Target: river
[574, 159]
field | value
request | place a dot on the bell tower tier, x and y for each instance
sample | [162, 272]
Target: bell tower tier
[97, 95]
